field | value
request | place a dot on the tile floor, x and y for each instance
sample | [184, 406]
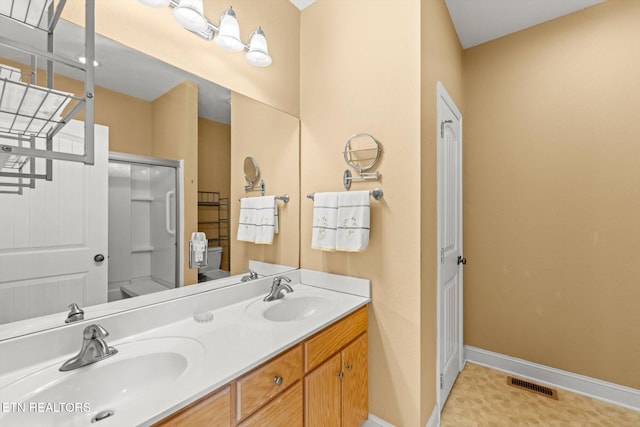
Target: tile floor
[481, 397]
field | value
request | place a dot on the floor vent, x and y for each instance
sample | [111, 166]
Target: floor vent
[533, 387]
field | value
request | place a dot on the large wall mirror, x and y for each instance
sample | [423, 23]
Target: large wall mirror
[170, 150]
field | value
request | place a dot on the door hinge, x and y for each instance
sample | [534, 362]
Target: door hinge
[441, 255]
[442, 123]
[441, 381]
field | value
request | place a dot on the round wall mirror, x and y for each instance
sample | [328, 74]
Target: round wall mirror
[251, 170]
[362, 151]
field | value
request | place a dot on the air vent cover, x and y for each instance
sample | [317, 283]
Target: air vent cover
[533, 387]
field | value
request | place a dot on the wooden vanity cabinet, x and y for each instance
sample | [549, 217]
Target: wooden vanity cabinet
[322, 382]
[336, 390]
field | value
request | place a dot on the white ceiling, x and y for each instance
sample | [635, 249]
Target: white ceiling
[301, 4]
[123, 69]
[478, 21]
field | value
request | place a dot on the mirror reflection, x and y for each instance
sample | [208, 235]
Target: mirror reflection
[119, 229]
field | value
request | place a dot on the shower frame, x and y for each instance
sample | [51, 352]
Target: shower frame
[177, 165]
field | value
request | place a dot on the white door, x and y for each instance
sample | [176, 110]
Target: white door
[51, 234]
[449, 242]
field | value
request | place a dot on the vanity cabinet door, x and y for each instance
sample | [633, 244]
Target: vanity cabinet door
[334, 338]
[322, 394]
[212, 411]
[355, 383]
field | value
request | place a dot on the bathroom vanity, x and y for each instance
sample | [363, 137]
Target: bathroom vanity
[222, 357]
[320, 382]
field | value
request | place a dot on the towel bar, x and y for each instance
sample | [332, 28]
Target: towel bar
[375, 193]
[284, 198]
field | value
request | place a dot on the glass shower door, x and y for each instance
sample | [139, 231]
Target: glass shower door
[163, 225]
[143, 225]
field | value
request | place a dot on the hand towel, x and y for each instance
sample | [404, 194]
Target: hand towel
[353, 221]
[266, 219]
[246, 223]
[325, 217]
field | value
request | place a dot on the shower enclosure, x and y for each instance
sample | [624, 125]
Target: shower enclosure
[143, 225]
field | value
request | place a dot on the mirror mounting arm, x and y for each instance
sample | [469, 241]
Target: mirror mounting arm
[260, 187]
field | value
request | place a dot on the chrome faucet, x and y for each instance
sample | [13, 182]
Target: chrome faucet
[93, 349]
[75, 313]
[251, 276]
[278, 288]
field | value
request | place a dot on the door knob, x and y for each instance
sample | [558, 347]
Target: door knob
[462, 260]
[98, 258]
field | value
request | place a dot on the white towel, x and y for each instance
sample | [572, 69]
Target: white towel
[246, 223]
[325, 221]
[266, 219]
[353, 221]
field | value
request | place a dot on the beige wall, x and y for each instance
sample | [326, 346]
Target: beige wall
[363, 75]
[175, 137]
[154, 31]
[551, 193]
[214, 173]
[272, 138]
[441, 60]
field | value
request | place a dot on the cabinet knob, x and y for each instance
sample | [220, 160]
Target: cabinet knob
[349, 367]
[277, 380]
[340, 375]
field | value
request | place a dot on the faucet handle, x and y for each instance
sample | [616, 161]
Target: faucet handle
[94, 331]
[285, 278]
[75, 313]
[252, 273]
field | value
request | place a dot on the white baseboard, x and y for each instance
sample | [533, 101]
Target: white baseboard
[379, 421]
[434, 419]
[587, 386]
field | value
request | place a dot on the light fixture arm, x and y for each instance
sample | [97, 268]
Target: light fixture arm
[211, 30]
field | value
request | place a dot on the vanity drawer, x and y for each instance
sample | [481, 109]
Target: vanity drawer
[285, 410]
[334, 338]
[210, 411]
[262, 384]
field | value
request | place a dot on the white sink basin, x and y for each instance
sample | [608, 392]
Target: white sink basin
[293, 307]
[120, 384]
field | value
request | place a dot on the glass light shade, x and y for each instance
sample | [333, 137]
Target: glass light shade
[155, 3]
[258, 53]
[189, 14]
[228, 37]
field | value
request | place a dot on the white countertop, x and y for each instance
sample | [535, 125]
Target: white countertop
[233, 342]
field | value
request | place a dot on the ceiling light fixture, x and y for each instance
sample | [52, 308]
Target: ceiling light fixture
[258, 53]
[83, 60]
[228, 37]
[190, 14]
